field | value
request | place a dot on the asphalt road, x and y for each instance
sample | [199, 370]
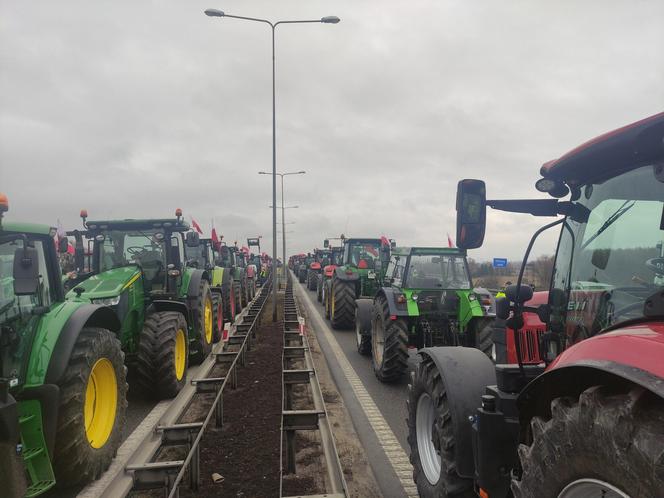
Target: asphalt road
[389, 399]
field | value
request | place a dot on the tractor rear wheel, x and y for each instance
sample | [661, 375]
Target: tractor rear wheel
[482, 330]
[431, 436]
[389, 341]
[603, 443]
[312, 278]
[218, 315]
[204, 324]
[244, 292]
[163, 354]
[93, 406]
[319, 288]
[342, 304]
[327, 291]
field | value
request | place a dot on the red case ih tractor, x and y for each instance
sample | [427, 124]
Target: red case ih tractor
[588, 419]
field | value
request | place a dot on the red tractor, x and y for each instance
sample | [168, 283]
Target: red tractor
[581, 411]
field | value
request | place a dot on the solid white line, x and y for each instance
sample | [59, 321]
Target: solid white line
[388, 441]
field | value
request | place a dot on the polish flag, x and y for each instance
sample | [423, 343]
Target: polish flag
[196, 226]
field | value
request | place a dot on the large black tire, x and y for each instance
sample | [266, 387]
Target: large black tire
[327, 301]
[159, 358]
[228, 296]
[218, 315]
[610, 436]
[342, 304]
[363, 314]
[319, 288]
[237, 289]
[389, 344]
[312, 280]
[204, 322]
[302, 275]
[76, 458]
[427, 384]
[244, 291]
[482, 330]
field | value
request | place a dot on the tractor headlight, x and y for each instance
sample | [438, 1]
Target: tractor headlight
[107, 301]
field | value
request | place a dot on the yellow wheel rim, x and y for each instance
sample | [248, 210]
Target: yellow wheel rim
[101, 402]
[208, 321]
[180, 353]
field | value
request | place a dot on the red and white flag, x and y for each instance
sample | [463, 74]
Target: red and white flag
[196, 226]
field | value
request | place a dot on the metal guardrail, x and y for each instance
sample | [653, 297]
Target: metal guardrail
[141, 472]
[310, 419]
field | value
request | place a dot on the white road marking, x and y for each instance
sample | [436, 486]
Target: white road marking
[388, 441]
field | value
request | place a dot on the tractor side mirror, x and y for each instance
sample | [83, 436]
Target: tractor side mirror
[471, 214]
[192, 239]
[393, 243]
[600, 258]
[63, 245]
[519, 294]
[26, 271]
[326, 243]
[502, 308]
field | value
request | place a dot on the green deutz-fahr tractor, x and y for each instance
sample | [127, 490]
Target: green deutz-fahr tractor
[427, 300]
[62, 375]
[360, 275]
[228, 258]
[200, 254]
[166, 308]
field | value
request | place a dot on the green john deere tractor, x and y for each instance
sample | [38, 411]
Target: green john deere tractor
[62, 375]
[227, 258]
[360, 275]
[427, 300]
[200, 253]
[137, 267]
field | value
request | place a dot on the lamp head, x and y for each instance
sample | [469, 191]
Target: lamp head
[330, 20]
[216, 13]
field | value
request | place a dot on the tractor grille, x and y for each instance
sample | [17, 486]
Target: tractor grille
[529, 341]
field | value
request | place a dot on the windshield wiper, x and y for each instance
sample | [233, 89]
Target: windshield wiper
[627, 205]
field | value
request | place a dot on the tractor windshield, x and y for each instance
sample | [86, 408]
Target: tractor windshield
[609, 265]
[437, 271]
[144, 248]
[12, 306]
[363, 254]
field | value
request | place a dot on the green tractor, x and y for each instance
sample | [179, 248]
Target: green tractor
[229, 259]
[63, 387]
[427, 300]
[360, 275]
[200, 253]
[166, 308]
[303, 268]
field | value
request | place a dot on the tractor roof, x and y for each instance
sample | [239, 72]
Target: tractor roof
[34, 228]
[629, 147]
[407, 251]
[172, 224]
[355, 239]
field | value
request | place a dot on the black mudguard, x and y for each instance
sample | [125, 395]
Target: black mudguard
[193, 299]
[390, 297]
[168, 305]
[92, 315]
[465, 373]
[364, 310]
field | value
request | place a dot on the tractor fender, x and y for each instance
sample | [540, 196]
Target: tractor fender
[195, 282]
[631, 355]
[169, 305]
[465, 373]
[341, 274]
[364, 309]
[395, 308]
[91, 315]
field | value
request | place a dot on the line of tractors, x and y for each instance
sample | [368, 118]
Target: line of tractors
[134, 303]
[554, 394]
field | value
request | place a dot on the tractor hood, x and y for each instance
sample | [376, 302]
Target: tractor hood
[107, 284]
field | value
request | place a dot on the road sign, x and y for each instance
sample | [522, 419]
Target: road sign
[500, 262]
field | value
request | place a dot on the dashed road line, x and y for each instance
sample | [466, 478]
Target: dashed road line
[391, 447]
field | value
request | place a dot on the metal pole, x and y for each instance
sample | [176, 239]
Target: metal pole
[283, 226]
[274, 185]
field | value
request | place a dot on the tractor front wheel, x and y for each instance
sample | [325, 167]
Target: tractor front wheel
[163, 354]
[342, 304]
[204, 324]
[218, 315]
[389, 341]
[363, 312]
[482, 330]
[603, 443]
[93, 406]
[327, 291]
[431, 436]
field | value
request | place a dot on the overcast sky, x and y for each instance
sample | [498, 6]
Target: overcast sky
[134, 108]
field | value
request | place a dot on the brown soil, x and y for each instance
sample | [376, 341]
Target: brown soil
[246, 450]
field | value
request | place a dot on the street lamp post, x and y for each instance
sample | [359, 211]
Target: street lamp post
[325, 20]
[282, 205]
